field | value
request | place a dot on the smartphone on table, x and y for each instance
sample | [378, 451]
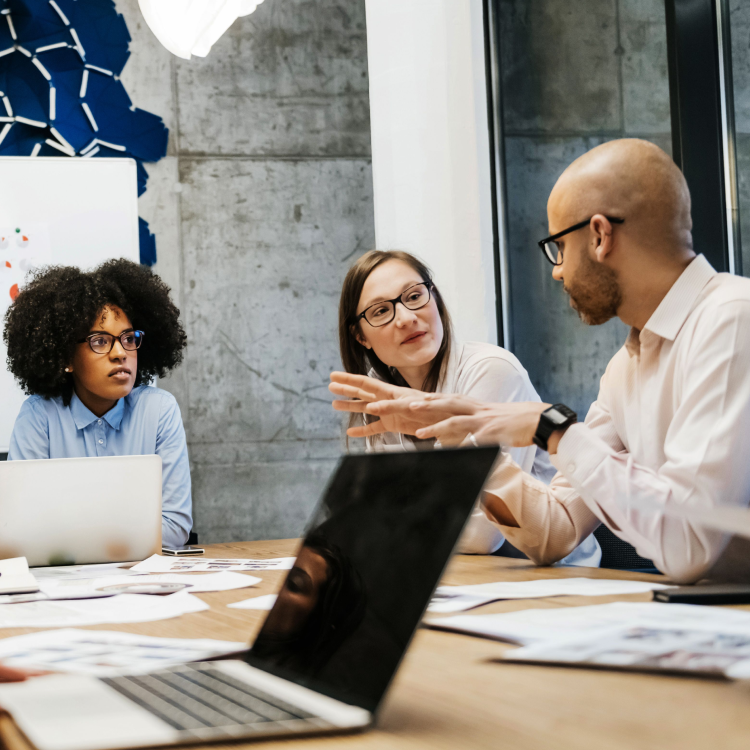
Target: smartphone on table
[189, 550]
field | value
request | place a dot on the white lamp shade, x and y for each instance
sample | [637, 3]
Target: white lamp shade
[191, 27]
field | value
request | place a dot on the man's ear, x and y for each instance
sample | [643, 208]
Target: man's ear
[601, 229]
[356, 331]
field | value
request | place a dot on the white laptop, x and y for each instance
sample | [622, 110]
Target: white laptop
[70, 511]
[327, 651]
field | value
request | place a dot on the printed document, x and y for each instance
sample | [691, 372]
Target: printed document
[461, 598]
[162, 564]
[116, 609]
[203, 583]
[548, 624]
[647, 648]
[103, 652]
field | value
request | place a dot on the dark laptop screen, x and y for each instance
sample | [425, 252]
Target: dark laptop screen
[372, 556]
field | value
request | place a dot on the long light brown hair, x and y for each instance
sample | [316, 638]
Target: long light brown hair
[359, 360]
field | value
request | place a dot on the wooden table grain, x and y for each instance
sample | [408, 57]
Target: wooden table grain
[451, 693]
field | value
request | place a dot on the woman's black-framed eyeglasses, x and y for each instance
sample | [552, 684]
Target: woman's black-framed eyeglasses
[103, 343]
[382, 313]
[549, 244]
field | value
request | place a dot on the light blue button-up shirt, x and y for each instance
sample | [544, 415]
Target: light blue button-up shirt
[146, 422]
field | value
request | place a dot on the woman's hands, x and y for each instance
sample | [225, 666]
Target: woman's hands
[449, 418]
[377, 398]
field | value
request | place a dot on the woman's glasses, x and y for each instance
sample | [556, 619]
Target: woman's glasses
[103, 343]
[382, 313]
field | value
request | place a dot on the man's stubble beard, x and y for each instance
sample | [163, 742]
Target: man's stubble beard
[595, 293]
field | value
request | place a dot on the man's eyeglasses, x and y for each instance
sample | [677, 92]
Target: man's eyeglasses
[550, 247]
[382, 313]
[103, 343]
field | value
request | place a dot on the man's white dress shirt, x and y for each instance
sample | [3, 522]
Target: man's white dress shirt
[491, 373]
[671, 424]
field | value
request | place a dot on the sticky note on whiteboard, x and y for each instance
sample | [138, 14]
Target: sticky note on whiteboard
[23, 248]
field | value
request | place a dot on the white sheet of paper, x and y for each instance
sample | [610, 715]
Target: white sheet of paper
[547, 624]
[678, 647]
[15, 577]
[202, 583]
[164, 564]
[80, 572]
[257, 602]
[102, 652]
[115, 609]
[461, 598]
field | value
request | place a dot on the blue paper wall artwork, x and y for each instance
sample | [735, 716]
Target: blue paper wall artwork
[60, 91]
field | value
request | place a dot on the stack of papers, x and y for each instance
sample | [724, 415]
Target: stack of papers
[461, 598]
[102, 653]
[161, 564]
[81, 572]
[624, 635]
[536, 625]
[196, 584]
[15, 577]
[117, 609]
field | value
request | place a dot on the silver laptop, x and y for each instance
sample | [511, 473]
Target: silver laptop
[327, 651]
[66, 511]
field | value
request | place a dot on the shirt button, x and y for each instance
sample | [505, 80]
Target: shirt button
[101, 442]
[571, 466]
[99, 421]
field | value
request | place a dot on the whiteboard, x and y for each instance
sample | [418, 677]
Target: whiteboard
[73, 212]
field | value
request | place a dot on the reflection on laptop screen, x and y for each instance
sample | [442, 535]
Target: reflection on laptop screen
[374, 551]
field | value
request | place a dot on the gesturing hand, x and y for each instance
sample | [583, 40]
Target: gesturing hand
[452, 418]
[371, 394]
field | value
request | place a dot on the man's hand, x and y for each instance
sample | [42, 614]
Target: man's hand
[372, 395]
[453, 418]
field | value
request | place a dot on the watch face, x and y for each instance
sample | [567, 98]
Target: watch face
[556, 417]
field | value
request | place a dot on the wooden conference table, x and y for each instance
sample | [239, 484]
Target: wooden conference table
[449, 693]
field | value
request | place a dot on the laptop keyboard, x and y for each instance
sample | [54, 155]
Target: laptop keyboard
[204, 702]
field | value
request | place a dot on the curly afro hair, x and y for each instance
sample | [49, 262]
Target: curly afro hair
[60, 304]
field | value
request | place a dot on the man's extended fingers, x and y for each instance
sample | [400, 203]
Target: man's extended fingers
[436, 404]
[351, 391]
[452, 430]
[391, 406]
[354, 407]
[374, 428]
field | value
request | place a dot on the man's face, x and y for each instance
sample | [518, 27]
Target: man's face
[593, 288]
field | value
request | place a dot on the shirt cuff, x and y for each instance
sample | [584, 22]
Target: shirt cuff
[579, 452]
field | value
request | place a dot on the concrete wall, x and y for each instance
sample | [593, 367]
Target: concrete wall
[574, 75]
[260, 206]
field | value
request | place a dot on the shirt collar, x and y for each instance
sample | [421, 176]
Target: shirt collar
[83, 416]
[672, 312]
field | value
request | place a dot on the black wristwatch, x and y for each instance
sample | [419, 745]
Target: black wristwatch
[557, 417]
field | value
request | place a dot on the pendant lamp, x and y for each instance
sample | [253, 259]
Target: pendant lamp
[191, 27]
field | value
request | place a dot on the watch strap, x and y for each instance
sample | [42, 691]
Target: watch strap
[556, 417]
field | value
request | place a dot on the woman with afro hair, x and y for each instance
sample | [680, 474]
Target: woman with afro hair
[85, 346]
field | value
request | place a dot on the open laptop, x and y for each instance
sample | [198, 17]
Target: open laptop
[373, 553]
[67, 511]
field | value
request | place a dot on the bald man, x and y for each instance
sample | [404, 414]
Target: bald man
[671, 423]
